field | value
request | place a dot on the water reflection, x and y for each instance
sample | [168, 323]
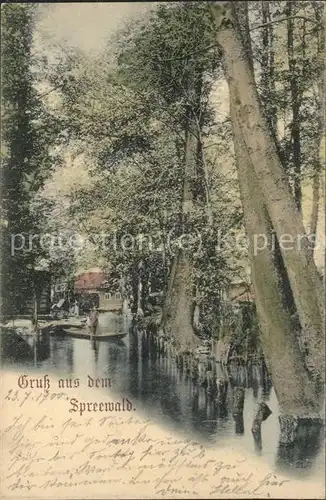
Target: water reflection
[237, 411]
[153, 382]
[24, 346]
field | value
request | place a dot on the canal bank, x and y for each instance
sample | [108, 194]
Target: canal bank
[218, 403]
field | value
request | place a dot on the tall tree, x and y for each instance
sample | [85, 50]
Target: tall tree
[257, 139]
[288, 87]
[296, 96]
[25, 158]
[320, 101]
[174, 69]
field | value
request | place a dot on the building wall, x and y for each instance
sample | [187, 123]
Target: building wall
[110, 300]
[89, 281]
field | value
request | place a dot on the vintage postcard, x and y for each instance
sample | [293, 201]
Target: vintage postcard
[162, 250]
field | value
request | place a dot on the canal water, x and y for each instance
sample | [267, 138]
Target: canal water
[157, 387]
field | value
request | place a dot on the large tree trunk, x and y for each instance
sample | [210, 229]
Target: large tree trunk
[179, 305]
[268, 97]
[279, 340]
[35, 309]
[295, 107]
[140, 290]
[268, 68]
[321, 122]
[134, 287]
[315, 203]
[202, 180]
[303, 276]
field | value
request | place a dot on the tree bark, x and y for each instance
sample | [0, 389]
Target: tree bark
[35, 310]
[315, 203]
[140, 298]
[202, 184]
[295, 107]
[303, 276]
[280, 345]
[321, 122]
[268, 68]
[179, 306]
[268, 96]
[134, 286]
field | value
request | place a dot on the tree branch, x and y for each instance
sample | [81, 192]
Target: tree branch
[40, 96]
[189, 54]
[283, 19]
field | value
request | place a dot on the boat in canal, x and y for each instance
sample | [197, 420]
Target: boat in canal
[85, 334]
[110, 327]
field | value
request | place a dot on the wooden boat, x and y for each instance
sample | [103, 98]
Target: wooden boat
[84, 334]
[110, 327]
[81, 332]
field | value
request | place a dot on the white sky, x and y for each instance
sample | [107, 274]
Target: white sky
[87, 25]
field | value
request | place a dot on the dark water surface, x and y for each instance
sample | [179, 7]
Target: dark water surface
[154, 385]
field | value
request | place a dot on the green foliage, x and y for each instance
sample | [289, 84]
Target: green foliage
[133, 114]
[167, 50]
[279, 73]
[27, 129]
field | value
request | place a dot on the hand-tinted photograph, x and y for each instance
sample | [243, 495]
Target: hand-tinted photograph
[162, 250]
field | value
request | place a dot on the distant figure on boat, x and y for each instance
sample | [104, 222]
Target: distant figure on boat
[92, 321]
[76, 308]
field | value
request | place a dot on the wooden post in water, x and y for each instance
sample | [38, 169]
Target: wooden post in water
[35, 308]
[188, 363]
[144, 344]
[202, 381]
[179, 360]
[211, 384]
[153, 344]
[173, 351]
[194, 369]
[263, 412]
[161, 346]
[238, 404]
[222, 388]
